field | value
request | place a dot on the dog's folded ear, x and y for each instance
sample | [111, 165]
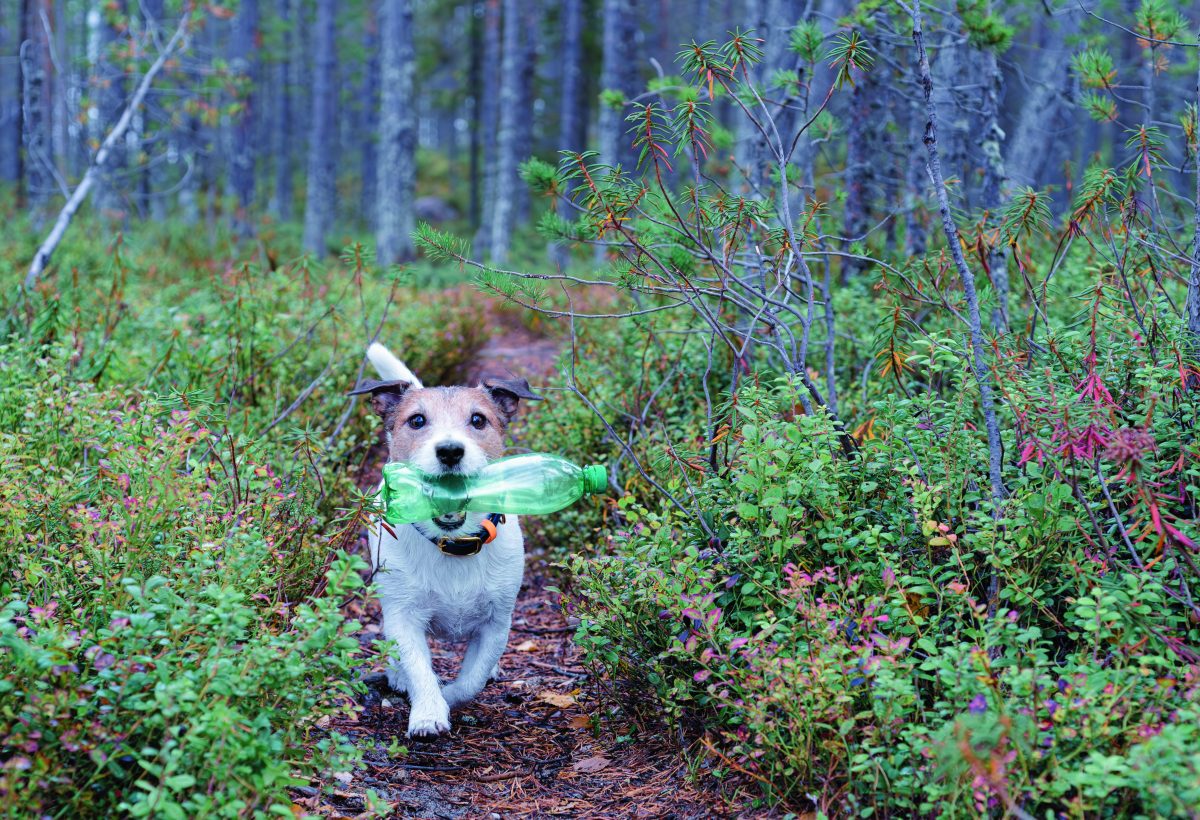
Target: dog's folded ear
[507, 394]
[384, 395]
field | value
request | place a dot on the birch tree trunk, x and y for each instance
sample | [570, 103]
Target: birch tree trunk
[397, 169]
[35, 68]
[500, 232]
[319, 203]
[244, 63]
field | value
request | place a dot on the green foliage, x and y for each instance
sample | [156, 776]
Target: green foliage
[1159, 20]
[842, 639]
[1099, 107]
[1095, 68]
[178, 485]
[805, 40]
[985, 28]
[849, 55]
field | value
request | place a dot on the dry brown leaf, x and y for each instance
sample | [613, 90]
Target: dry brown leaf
[525, 646]
[591, 764]
[581, 722]
[557, 699]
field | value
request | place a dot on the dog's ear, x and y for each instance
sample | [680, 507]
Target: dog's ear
[384, 395]
[507, 394]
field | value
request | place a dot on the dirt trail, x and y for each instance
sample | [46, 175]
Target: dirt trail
[535, 743]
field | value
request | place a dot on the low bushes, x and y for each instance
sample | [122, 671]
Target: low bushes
[862, 635]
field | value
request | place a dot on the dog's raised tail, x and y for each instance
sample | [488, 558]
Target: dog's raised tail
[389, 367]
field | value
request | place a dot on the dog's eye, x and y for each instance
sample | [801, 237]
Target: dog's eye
[478, 421]
[417, 422]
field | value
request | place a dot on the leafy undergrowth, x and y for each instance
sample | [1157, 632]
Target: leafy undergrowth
[178, 483]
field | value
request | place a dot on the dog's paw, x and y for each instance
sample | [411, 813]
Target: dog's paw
[429, 720]
[495, 673]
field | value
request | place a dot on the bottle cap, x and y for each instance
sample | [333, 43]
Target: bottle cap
[595, 479]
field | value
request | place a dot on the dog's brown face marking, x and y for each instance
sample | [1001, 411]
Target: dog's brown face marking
[437, 413]
[446, 429]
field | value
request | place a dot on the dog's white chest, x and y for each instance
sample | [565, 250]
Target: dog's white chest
[454, 596]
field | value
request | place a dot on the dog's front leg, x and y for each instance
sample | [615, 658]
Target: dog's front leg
[429, 714]
[481, 658]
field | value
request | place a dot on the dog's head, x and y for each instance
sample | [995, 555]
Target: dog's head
[442, 430]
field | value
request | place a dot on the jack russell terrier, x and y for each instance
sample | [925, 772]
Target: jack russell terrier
[448, 577]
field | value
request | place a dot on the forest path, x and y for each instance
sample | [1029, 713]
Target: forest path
[534, 743]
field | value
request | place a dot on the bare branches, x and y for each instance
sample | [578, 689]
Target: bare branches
[983, 374]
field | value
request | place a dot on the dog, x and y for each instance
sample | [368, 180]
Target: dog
[444, 577]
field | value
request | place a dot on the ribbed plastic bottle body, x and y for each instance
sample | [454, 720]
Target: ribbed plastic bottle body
[533, 484]
[410, 496]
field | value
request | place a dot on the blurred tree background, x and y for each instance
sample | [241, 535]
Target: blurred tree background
[364, 116]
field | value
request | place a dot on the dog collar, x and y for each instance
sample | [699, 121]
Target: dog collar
[466, 545]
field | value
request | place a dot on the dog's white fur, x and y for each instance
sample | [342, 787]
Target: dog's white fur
[425, 592]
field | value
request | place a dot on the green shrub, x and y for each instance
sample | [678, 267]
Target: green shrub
[841, 640]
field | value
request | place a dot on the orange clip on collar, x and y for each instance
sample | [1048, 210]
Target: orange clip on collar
[490, 529]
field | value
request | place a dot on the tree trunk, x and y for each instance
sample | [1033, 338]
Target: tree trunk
[771, 20]
[991, 147]
[397, 169]
[281, 199]
[369, 100]
[862, 164]
[319, 203]
[243, 63]
[489, 120]
[618, 73]
[475, 83]
[111, 81]
[35, 71]
[1042, 109]
[530, 35]
[916, 185]
[1193, 292]
[572, 121]
[572, 132]
[500, 231]
[11, 37]
[152, 203]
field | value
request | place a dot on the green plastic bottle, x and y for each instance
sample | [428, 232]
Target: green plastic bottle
[532, 484]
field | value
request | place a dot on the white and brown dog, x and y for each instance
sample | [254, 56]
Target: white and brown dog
[440, 577]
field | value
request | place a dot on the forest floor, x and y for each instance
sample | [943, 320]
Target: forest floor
[538, 742]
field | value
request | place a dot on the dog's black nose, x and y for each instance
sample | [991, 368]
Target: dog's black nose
[449, 454]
